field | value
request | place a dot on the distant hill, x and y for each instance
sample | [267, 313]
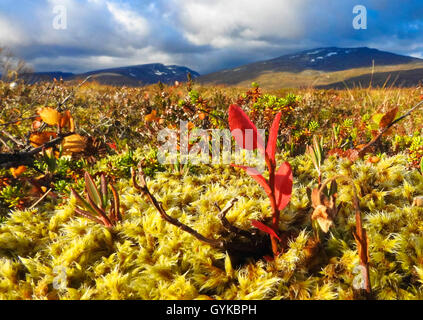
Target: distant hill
[124, 76]
[318, 67]
[321, 68]
[46, 76]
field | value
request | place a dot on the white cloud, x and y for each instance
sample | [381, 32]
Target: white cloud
[417, 55]
[10, 33]
[223, 23]
[95, 62]
[130, 20]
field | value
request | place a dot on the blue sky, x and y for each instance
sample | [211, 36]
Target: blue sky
[204, 35]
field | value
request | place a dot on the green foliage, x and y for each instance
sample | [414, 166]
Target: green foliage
[313, 126]
[11, 195]
[268, 101]
[416, 150]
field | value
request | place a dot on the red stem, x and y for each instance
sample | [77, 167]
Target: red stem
[271, 165]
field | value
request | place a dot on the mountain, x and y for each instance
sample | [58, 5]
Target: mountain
[124, 76]
[316, 67]
[45, 76]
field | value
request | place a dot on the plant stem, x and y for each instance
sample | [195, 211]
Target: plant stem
[143, 188]
[275, 211]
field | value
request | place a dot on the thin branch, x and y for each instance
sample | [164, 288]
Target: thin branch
[359, 234]
[364, 150]
[225, 222]
[8, 160]
[12, 138]
[144, 189]
[16, 121]
[71, 94]
[41, 199]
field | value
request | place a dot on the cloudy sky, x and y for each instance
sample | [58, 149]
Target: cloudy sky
[205, 35]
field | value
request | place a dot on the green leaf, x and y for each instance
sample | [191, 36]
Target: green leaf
[82, 202]
[92, 190]
[103, 191]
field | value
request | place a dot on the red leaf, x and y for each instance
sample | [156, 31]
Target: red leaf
[239, 123]
[264, 228]
[283, 185]
[273, 137]
[269, 258]
[112, 145]
[253, 173]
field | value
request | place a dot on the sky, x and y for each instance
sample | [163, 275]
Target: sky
[204, 35]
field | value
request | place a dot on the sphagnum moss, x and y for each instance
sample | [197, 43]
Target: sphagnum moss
[54, 254]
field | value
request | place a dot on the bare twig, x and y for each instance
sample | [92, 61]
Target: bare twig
[8, 160]
[71, 94]
[16, 121]
[226, 224]
[5, 144]
[41, 199]
[144, 189]
[8, 135]
[359, 234]
[365, 149]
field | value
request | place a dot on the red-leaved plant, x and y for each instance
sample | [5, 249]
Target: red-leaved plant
[279, 186]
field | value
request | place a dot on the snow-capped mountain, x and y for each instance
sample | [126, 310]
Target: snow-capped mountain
[129, 76]
[337, 59]
[322, 60]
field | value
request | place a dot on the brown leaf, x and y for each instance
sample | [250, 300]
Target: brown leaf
[73, 144]
[388, 118]
[323, 219]
[352, 154]
[66, 120]
[315, 198]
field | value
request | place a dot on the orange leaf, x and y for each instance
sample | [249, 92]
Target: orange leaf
[388, 118]
[151, 117]
[73, 144]
[202, 116]
[65, 119]
[50, 116]
[38, 139]
[191, 126]
[16, 172]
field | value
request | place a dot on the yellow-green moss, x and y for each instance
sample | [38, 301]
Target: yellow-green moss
[146, 258]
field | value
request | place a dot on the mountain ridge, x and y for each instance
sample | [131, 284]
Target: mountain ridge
[137, 75]
[319, 60]
[326, 67]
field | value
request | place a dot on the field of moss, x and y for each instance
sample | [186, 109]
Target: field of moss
[49, 251]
